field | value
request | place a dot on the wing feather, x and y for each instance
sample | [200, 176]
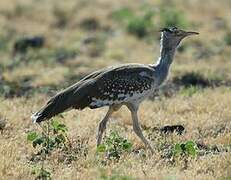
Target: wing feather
[100, 88]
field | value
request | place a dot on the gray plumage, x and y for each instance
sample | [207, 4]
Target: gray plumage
[127, 84]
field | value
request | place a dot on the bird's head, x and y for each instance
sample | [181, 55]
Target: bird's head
[171, 37]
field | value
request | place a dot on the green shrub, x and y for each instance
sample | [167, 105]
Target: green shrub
[228, 38]
[170, 16]
[113, 176]
[41, 173]
[123, 14]
[5, 90]
[188, 148]
[114, 146]
[46, 143]
[189, 91]
[140, 26]
[55, 140]
[5, 39]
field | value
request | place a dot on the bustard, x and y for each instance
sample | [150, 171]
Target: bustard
[127, 84]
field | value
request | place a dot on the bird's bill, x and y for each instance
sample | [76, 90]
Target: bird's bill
[189, 33]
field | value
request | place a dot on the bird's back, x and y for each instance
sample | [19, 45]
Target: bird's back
[121, 84]
[113, 85]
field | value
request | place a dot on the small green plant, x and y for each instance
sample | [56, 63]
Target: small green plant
[54, 139]
[227, 38]
[114, 146]
[140, 26]
[170, 16]
[116, 177]
[188, 148]
[41, 173]
[45, 143]
[122, 14]
[5, 90]
[113, 176]
[189, 91]
[5, 40]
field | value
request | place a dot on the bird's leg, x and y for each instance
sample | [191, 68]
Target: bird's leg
[102, 126]
[103, 122]
[136, 126]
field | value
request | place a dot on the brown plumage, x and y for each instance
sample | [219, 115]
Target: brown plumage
[127, 84]
[103, 85]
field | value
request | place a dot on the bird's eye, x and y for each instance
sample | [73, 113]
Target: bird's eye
[174, 28]
[165, 30]
[177, 33]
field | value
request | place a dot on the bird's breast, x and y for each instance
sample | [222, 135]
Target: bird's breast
[120, 98]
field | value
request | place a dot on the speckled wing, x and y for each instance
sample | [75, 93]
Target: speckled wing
[101, 88]
[121, 84]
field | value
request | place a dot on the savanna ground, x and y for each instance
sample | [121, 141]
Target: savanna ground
[83, 36]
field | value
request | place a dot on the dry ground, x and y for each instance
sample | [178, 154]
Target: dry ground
[27, 81]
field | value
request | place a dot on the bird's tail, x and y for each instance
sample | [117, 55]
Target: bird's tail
[54, 106]
[59, 103]
[72, 97]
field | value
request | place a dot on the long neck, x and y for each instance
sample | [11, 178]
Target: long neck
[166, 57]
[166, 54]
[164, 61]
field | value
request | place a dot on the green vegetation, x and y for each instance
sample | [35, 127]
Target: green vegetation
[123, 14]
[47, 142]
[227, 38]
[5, 90]
[114, 146]
[114, 176]
[5, 38]
[54, 139]
[189, 91]
[41, 173]
[83, 36]
[171, 16]
[188, 148]
[140, 26]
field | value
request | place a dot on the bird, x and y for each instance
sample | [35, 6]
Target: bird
[115, 86]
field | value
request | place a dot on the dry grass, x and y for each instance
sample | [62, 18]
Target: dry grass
[206, 114]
